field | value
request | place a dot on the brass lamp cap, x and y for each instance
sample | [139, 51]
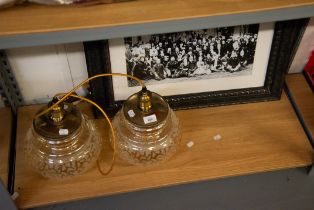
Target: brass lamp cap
[59, 123]
[145, 108]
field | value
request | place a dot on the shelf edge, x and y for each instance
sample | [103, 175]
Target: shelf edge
[88, 34]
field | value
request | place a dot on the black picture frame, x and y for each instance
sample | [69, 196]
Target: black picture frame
[287, 35]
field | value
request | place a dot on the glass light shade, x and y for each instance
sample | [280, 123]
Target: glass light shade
[59, 147]
[145, 137]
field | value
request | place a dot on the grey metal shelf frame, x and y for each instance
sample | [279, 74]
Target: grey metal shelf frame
[68, 36]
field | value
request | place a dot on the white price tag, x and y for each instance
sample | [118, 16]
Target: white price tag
[150, 119]
[131, 113]
[63, 132]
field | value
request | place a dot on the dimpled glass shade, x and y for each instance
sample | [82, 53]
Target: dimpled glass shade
[62, 143]
[147, 130]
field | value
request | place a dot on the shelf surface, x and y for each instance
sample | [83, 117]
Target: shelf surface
[27, 25]
[5, 138]
[256, 137]
[304, 98]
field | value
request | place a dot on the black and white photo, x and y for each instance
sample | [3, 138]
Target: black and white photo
[197, 68]
[191, 55]
[196, 61]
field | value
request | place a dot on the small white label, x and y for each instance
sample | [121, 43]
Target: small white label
[15, 195]
[217, 137]
[190, 144]
[150, 119]
[63, 132]
[131, 113]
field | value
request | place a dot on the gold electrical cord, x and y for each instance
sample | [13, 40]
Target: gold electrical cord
[70, 94]
[84, 82]
[111, 128]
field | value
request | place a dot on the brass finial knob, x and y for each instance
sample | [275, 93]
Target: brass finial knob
[57, 113]
[145, 100]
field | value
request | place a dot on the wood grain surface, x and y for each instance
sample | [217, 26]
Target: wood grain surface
[304, 98]
[5, 138]
[256, 137]
[29, 18]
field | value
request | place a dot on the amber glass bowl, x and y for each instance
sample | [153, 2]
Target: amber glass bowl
[145, 138]
[65, 148]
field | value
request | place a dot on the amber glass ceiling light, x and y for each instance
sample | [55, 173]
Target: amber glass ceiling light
[62, 142]
[147, 130]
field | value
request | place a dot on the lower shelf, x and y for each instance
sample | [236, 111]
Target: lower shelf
[256, 137]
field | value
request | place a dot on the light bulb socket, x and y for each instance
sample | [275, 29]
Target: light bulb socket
[57, 113]
[145, 103]
[63, 116]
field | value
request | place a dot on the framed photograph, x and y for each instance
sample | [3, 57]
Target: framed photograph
[199, 68]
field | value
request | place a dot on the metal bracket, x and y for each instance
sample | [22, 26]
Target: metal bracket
[301, 120]
[9, 89]
[12, 97]
[5, 199]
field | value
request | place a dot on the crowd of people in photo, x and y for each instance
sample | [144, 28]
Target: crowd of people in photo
[189, 54]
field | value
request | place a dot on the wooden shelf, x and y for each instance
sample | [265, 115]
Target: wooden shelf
[304, 98]
[37, 19]
[136, 17]
[5, 138]
[256, 137]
